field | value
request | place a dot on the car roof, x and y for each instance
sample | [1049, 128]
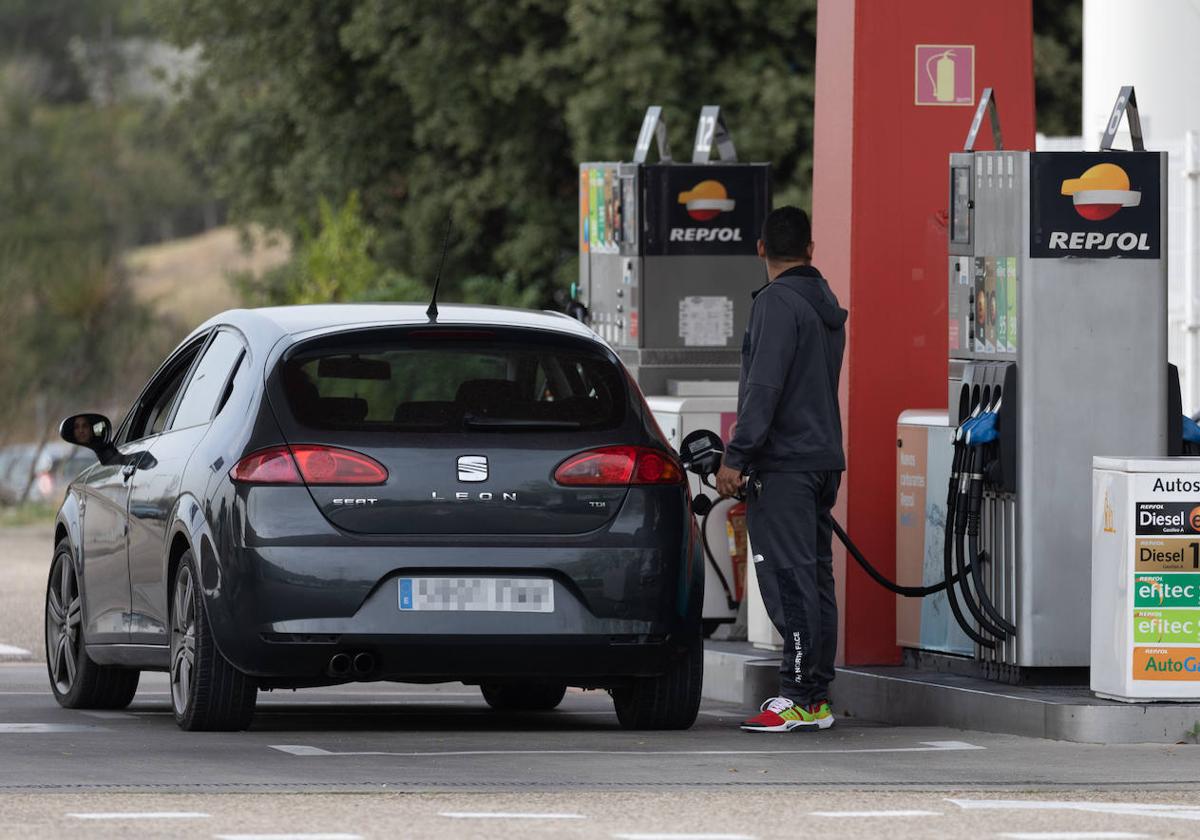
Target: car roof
[281, 321]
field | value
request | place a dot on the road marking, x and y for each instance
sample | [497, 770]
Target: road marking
[684, 836]
[874, 813]
[1129, 809]
[1073, 835]
[13, 650]
[110, 715]
[498, 815]
[44, 728]
[288, 836]
[141, 815]
[303, 750]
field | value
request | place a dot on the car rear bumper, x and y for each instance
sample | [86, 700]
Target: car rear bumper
[586, 661]
[281, 614]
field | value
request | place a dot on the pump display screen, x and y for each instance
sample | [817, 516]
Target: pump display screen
[960, 205]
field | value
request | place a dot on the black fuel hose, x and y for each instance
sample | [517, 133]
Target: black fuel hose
[712, 560]
[877, 576]
[973, 518]
[948, 551]
[960, 539]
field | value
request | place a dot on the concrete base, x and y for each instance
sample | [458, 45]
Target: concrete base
[905, 696]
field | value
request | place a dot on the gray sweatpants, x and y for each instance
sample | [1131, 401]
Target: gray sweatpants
[789, 518]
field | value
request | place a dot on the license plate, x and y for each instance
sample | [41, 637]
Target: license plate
[477, 594]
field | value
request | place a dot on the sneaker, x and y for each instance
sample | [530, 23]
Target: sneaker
[780, 714]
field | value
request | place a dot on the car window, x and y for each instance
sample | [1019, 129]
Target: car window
[149, 416]
[207, 385]
[449, 385]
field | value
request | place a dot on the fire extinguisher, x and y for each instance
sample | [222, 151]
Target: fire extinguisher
[735, 530]
[942, 78]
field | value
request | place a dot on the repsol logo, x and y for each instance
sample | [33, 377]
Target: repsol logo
[1175, 485]
[716, 234]
[1097, 241]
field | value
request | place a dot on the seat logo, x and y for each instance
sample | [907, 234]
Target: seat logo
[1101, 191]
[472, 468]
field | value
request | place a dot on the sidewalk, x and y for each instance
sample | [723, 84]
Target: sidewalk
[737, 672]
[25, 554]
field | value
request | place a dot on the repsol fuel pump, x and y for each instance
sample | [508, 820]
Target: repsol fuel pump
[1057, 305]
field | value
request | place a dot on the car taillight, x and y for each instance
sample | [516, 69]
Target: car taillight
[619, 466]
[308, 464]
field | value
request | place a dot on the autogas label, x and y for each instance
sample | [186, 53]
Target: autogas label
[1166, 590]
[1166, 555]
[1168, 518]
[1166, 626]
[1159, 663]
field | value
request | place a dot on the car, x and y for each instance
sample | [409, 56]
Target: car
[314, 495]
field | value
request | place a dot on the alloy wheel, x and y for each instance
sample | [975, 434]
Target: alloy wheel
[64, 611]
[183, 639]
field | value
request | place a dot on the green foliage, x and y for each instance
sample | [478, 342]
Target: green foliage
[1058, 65]
[484, 109]
[480, 109]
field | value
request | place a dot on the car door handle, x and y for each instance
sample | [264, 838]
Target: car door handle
[127, 472]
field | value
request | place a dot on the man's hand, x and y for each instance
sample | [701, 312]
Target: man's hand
[729, 481]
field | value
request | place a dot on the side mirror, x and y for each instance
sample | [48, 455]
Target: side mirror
[701, 452]
[91, 431]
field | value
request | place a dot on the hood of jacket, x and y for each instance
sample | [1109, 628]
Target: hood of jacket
[808, 282]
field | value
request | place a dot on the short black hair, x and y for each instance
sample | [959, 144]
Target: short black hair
[786, 234]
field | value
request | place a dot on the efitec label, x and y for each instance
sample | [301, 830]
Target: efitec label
[1158, 627]
[1168, 518]
[1166, 590]
[1158, 663]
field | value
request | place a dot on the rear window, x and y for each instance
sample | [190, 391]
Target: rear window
[431, 381]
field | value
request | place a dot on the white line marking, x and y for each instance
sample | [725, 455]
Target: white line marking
[1130, 809]
[13, 650]
[109, 715]
[45, 728]
[874, 813]
[141, 815]
[928, 746]
[684, 836]
[1074, 835]
[498, 815]
[288, 836]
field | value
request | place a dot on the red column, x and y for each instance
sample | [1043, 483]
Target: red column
[880, 186]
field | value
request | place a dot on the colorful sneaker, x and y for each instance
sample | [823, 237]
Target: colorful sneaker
[779, 714]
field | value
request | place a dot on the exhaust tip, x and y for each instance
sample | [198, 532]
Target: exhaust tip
[364, 663]
[339, 664]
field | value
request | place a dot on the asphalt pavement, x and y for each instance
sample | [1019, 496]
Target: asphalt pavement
[386, 760]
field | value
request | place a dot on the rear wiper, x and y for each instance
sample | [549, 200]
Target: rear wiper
[475, 421]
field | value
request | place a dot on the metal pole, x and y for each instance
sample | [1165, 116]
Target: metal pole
[1191, 242]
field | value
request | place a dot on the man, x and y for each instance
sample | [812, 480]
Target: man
[787, 449]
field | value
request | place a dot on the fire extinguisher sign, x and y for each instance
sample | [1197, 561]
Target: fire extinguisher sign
[945, 74]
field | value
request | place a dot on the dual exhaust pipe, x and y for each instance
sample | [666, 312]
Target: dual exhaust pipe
[359, 666]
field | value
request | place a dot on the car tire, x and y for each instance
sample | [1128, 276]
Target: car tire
[75, 679]
[523, 697]
[668, 701]
[208, 694]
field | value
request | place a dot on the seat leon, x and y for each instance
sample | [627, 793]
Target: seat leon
[313, 495]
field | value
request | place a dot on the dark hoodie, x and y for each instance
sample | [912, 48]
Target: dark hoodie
[788, 416]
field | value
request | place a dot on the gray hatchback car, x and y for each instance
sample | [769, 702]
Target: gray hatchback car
[306, 496]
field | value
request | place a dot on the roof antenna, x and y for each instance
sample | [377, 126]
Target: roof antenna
[432, 311]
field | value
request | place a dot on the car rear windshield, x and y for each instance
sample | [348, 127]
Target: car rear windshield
[437, 380]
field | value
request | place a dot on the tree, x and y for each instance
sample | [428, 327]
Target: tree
[480, 109]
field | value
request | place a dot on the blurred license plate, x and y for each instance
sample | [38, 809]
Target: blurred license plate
[477, 594]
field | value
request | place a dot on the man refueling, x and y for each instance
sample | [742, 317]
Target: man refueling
[786, 456]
